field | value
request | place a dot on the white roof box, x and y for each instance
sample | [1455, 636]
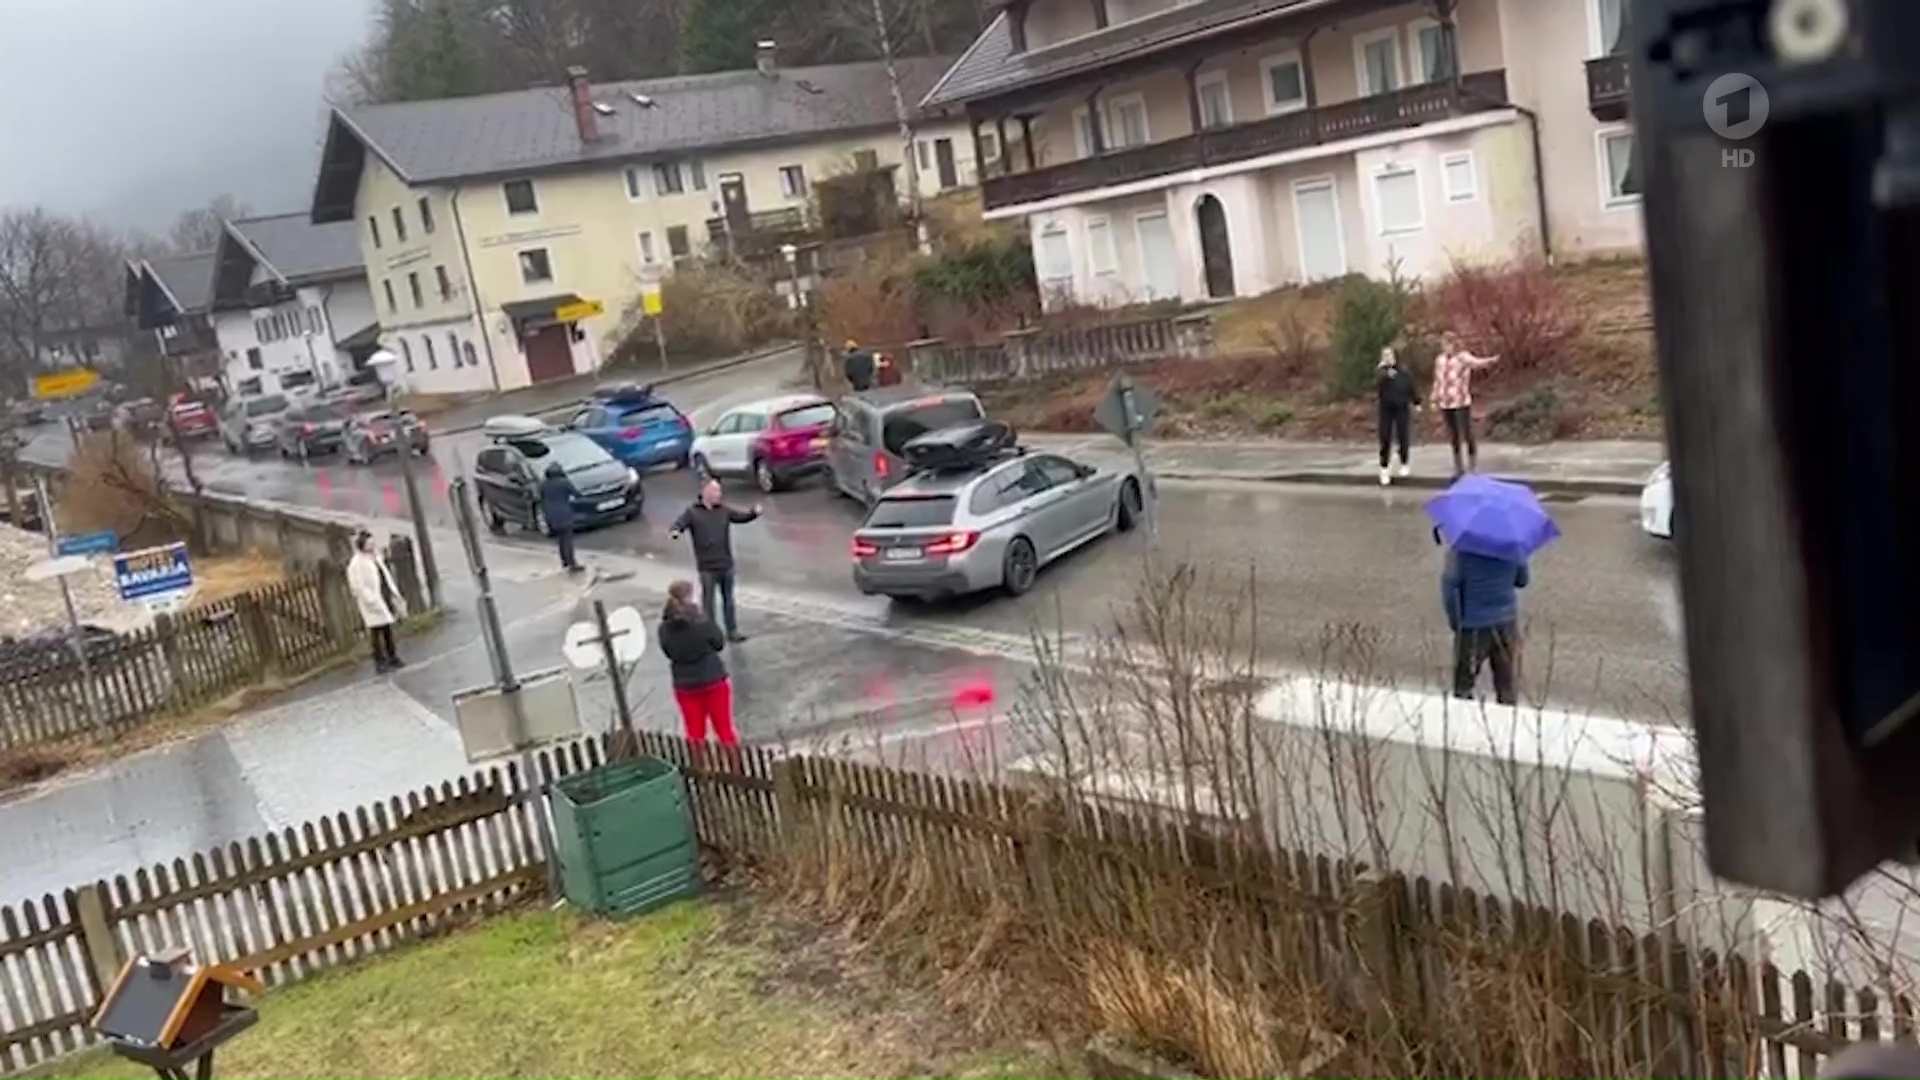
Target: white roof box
[513, 427]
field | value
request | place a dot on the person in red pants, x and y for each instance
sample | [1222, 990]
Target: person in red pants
[692, 644]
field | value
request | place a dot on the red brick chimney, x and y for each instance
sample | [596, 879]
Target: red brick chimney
[583, 113]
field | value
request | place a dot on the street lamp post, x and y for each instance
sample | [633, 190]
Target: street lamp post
[385, 365]
[816, 362]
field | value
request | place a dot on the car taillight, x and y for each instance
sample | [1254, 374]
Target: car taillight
[880, 466]
[954, 543]
[630, 433]
[307, 429]
[863, 549]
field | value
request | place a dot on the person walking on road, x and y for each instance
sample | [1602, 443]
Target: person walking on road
[710, 523]
[556, 505]
[378, 598]
[1394, 388]
[1453, 395]
[858, 367]
[692, 645]
[1480, 595]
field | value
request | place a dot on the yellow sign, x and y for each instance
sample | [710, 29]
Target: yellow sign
[585, 309]
[650, 301]
[66, 383]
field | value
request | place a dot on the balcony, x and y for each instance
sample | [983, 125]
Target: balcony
[1479, 92]
[1607, 89]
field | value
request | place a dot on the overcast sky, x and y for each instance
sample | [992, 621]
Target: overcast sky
[133, 110]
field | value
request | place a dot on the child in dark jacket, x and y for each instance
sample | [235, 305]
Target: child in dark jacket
[692, 645]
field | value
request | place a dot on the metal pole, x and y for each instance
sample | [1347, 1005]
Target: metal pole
[1135, 427]
[613, 671]
[660, 339]
[503, 676]
[74, 640]
[421, 541]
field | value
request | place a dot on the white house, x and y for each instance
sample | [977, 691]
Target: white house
[291, 307]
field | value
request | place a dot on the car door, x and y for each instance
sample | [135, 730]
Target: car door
[846, 448]
[740, 449]
[593, 422]
[1039, 505]
[490, 470]
[714, 441]
[523, 483]
[1083, 505]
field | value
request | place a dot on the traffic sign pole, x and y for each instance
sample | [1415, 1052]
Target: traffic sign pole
[630, 744]
[74, 639]
[1127, 411]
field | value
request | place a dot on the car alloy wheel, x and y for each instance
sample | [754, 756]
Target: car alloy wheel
[1128, 514]
[495, 523]
[763, 476]
[1022, 565]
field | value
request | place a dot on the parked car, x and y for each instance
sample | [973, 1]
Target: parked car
[873, 427]
[192, 419]
[28, 411]
[370, 435]
[248, 424]
[636, 426]
[1656, 503]
[141, 417]
[361, 388]
[310, 430]
[981, 514]
[775, 441]
[507, 475]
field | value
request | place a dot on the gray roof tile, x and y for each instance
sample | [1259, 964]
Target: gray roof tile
[299, 249]
[189, 278]
[533, 130]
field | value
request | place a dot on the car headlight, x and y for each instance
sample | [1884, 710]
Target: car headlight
[633, 476]
[1661, 473]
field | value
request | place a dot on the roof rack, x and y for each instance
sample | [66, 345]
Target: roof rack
[623, 393]
[962, 447]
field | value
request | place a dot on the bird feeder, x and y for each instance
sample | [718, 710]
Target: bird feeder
[166, 1012]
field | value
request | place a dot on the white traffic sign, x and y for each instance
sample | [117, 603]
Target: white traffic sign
[629, 632]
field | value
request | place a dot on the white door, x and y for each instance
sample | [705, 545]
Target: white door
[1160, 267]
[1316, 220]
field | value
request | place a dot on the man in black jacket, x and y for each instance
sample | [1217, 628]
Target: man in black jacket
[710, 522]
[556, 505]
[858, 367]
[1398, 396]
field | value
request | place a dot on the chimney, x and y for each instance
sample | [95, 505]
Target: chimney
[763, 57]
[582, 91]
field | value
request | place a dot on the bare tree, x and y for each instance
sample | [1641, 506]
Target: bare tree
[198, 230]
[56, 274]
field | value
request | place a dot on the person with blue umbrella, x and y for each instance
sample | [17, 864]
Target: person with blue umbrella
[1491, 528]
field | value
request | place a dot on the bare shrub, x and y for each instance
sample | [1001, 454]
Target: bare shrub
[873, 305]
[114, 482]
[708, 310]
[1519, 312]
[1295, 345]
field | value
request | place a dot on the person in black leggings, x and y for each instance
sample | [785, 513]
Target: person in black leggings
[1453, 395]
[1397, 396]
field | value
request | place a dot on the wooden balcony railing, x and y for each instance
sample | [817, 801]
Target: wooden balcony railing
[1411, 107]
[1607, 88]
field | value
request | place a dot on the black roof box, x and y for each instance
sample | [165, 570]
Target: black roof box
[962, 446]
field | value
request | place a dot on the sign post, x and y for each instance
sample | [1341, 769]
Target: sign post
[1127, 411]
[652, 304]
[74, 638]
[610, 640]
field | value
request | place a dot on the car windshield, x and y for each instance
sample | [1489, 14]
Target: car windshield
[909, 423]
[322, 412]
[657, 413]
[573, 452]
[911, 513]
[261, 406]
[376, 419]
[807, 416]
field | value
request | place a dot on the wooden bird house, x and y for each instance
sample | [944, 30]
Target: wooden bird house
[165, 1011]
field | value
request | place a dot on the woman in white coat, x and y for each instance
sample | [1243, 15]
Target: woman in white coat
[378, 599]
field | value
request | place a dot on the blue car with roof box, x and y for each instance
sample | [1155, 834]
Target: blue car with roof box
[636, 426]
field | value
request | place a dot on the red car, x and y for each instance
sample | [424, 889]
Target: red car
[192, 419]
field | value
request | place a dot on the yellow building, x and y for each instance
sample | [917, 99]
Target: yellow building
[505, 234]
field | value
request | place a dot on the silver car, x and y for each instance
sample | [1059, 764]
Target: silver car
[249, 424]
[946, 532]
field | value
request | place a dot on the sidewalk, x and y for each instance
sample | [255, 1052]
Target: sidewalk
[1582, 468]
[562, 394]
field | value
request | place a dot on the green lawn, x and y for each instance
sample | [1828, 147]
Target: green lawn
[698, 989]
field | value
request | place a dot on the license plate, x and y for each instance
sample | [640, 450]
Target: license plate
[611, 504]
[902, 554]
[668, 443]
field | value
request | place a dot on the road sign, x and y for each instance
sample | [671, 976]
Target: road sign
[1126, 410]
[99, 542]
[157, 576]
[584, 309]
[629, 632]
[650, 300]
[61, 384]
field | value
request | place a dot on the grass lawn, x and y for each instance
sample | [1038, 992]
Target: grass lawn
[701, 988]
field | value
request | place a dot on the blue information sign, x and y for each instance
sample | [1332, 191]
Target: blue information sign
[153, 573]
[99, 542]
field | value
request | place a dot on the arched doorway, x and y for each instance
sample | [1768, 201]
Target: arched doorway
[1216, 246]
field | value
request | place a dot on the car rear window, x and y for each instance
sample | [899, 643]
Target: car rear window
[907, 424]
[914, 513]
[659, 413]
[807, 416]
[261, 406]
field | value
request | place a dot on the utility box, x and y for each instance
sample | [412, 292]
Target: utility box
[624, 836]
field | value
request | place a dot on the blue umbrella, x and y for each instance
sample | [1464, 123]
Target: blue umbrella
[1496, 518]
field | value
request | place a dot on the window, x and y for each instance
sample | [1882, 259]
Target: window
[1284, 82]
[865, 160]
[413, 288]
[667, 179]
[793, 181]
[647, 257]
[1433, 54]
[989, 145]
[535, 267]
[1055, 262]
[259, 330]
[924, 152]
[254, 362]
[248, 387]
[520, 197]
[1397, 191]
[277, 323]
[636, 184]
[453, 348]
[386, 285]
[1457, 177]
[426, 215]
[494, 461]
[399, 225]
[1606, 19]
[406, 354]
[1216, 100]
[433, 362]
[373, 229]
[1618, 185]
[1376, 57]
[1127, 121]
[446, 283]
[1101, 254]
[1083, 133]
[697, 173]
[677, 245]
[466, 351]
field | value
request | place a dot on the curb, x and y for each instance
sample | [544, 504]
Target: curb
[664, 380]
[1544, 485]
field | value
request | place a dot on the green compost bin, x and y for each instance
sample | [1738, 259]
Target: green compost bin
[624, 837]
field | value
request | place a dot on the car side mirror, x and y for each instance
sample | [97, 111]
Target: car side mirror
[1084, 471]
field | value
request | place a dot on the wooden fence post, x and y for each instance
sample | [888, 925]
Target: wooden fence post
[169, 634]
[406, 573]
[96, 935]
[1374, 926]
[254, 623]
[786, 797]
[1037, 844]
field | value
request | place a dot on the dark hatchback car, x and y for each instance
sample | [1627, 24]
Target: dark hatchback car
[508, 473]
[373, 434]
[306, 431]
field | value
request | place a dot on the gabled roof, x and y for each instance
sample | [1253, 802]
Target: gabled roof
[185, 280]
[532, 131]
[296, 250]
